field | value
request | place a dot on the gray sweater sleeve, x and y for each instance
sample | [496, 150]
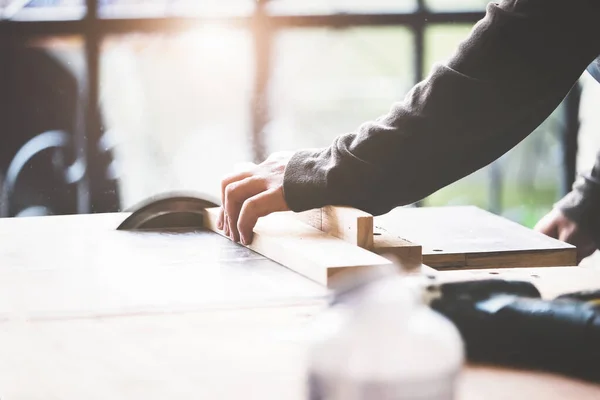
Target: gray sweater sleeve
[582, 204]
[505, 79]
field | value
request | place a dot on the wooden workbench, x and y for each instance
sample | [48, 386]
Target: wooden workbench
[90, 312]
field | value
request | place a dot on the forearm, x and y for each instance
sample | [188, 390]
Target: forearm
[501, 84]
[582, 204]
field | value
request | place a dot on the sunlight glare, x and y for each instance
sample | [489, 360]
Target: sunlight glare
[211, 37]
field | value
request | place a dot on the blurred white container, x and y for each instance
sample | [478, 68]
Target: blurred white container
[384, 343]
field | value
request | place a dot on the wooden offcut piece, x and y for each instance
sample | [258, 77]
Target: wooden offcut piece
[356, 227]
[408, 255]
[349, 224]
[305, 249]
[469, 237]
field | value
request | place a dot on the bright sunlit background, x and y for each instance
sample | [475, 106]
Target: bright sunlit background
[177, 107]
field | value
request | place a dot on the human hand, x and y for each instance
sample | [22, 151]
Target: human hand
[555, 224]
[254, 192]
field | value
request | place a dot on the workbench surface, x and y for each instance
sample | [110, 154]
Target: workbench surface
[90, 312]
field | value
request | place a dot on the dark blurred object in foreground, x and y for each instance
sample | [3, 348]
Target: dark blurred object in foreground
[507, 323]
[39, 95]
[43, 135]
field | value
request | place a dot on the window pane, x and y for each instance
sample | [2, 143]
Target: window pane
[457, 5]
[156, 8]
[335, 6]
[522, 185]
[177, 108]
[531, 173]
[525, 182]
[327, 82]
[37, 10]
[441, 42]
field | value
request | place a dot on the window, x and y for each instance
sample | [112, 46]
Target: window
[523, 184]
[177, 108]
[35, 10]
[186, 88]
[311, 7]
[166, 8]
[327, 82]
[453, 5]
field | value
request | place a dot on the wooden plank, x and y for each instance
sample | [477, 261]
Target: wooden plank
[529, 259]
[446, 261]
[349, 224]
[356, 227]
[408, 255]
[312, 217]
[352, 225]
[468, 237]
[281, 237]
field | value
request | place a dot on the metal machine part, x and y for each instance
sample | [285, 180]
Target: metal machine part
[171, 210]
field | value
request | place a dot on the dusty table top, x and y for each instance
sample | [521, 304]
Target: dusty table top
[89, 312]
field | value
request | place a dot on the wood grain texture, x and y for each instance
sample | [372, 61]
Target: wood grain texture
[349, 224]
[356, 227]
[87, 312]
[406, 254]
[468, 237]
[312, 217]
[281, 237]
[352, 225]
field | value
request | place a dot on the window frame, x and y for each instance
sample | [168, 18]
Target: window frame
[263, 27]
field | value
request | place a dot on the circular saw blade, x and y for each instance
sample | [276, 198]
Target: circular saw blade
[171, 210]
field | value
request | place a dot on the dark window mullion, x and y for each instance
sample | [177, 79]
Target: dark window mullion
[98, 190]
[178, 23]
